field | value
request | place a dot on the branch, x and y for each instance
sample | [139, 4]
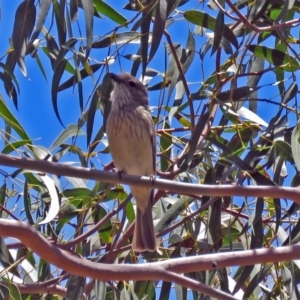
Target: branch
[40, 287]
[150, 271]
[161, 184]
[104, 272]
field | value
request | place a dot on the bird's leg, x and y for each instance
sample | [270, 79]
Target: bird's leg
[120, 173]
[152, 178]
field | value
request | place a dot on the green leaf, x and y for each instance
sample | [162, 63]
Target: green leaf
[75, 287]
[277, 58]
[37, 58]
[130, 37]
[7, 116]
[144, 288]
[79, 194]
[283, 150]
[71, 131]
[166, 147]
[214, 224]
[105, 231]
[83, 73]
[295, 144]
[2, 196]
[27, 204]
[109, 11]
[14, 292]
[202, 19]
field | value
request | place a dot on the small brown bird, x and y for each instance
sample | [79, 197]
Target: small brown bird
[131, 138]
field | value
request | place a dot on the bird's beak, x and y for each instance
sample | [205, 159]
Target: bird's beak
[115, 77]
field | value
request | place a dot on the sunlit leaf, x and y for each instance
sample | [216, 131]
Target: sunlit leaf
[202, 19]
[8, 117]
[107, 10]
[276, 57]
[130, 37]
[54, 205]
[295, 144]
[70, 131]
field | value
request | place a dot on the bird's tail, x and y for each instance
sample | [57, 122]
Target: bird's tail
[144, 235]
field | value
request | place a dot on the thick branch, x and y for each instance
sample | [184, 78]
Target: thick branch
[150, 271]
[104, 272]
[161, 184]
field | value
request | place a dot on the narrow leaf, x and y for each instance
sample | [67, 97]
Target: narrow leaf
[27, 203]
[237, 94]
[59, 9]
[130, 37]
[251, 116]
[277, 58]
[73, 10]
[69, 132]
[44, 9]
[9, 88]
[109, 11]
[89, 21]
[290, 93]
[159, 26]
[205, 20]
[8, 117]
[75, 286]
[74, 79]
[295, 143]
[55, 205]
[145, 28]
[23, 26]
[58, 72]
[218, 32]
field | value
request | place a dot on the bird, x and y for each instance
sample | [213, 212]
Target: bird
[132, 144]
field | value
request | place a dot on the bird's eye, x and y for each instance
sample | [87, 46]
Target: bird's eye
[132, 83]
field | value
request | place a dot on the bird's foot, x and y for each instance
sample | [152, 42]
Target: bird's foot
[152, 178]
[120, 173]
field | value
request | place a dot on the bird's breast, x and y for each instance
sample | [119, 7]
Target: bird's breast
[129, 133]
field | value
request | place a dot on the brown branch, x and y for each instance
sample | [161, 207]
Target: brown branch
[235, 258]
[150, 271]
[41, 287]
[105, 272]
[161, 184]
